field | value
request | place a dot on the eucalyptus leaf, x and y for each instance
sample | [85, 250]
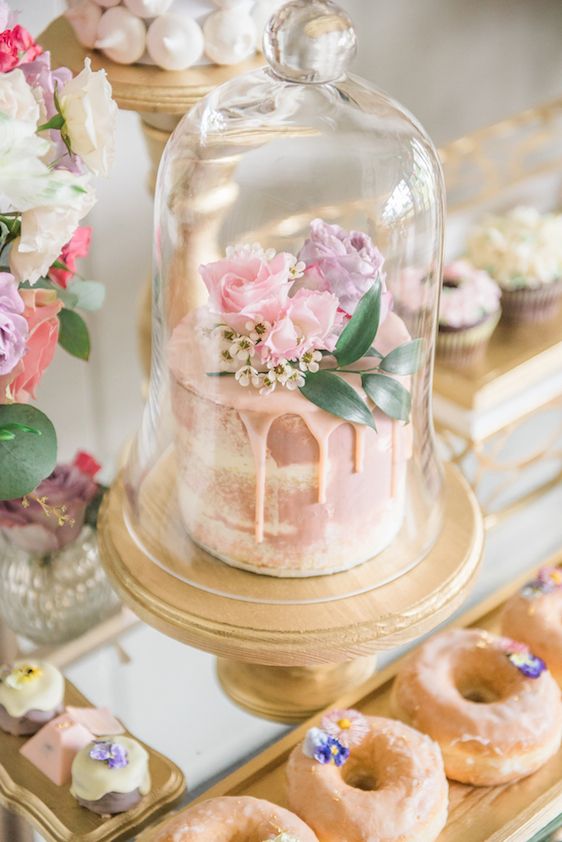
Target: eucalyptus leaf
[405, 359]
[356, 338]
[330, 392]
[73, 334]
[389, 395]
[25, 458]
[89, 295]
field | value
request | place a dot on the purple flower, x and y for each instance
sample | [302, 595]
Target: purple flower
[346, 263]
[13, 326]
[549, 579]
[113, 754]
[53, 515]
[323, 748]
[530, 665]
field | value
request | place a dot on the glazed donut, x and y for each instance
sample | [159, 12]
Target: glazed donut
[230, 819]
[491, 704]
[533, 616]
[363, 778]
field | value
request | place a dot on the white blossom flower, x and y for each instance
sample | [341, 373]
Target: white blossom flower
[296, 270]
[90, 118]
[246, 375]
[16, 98]
[226, 360]
[281, 370]
[267, 382]
[310, 361]
[257, 330]
[242, 348]
[295, 380]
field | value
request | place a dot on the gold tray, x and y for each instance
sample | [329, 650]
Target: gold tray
[53, 811]
[511, 813]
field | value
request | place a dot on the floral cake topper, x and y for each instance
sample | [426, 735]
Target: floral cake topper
[115, 756]
[18, 677]
[522, 658]
[310, 322]
[548, 580]
[340, 731]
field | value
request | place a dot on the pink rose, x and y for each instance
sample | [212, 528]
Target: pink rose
[308, 323]
[37, 530]
[41, 309]
[17, 46]
[78, 246]
[346, 263]
[248, 287]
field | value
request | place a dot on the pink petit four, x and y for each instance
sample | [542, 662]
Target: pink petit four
[54, 747]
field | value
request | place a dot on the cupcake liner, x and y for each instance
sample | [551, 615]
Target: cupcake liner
[531, 304]
[463, 346]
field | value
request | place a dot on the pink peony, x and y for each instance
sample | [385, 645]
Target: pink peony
[13, 326]
[248, 287]
[17, 46]
[346, 263]
[78, 246]
[307, 323]
[41, 310]
[37, 529]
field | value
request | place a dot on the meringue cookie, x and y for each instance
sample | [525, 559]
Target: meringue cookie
[230, 36]
[148, 8]
[107, 3]
[84, 19]
[174, 42]
[261, 13]
[121, 36]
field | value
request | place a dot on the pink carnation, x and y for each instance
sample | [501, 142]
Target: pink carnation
[307, 323]
[248, 287]
[78, 246]
[17, 46]
[346, 263]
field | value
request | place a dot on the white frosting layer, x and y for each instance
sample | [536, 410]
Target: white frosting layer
[522, 248]
[43, 692]
[92, 779]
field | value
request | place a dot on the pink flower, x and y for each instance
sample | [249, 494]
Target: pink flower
[86, 463]
[41, 309]
[36, 527]
[349, 727]
[248, 287]
[17, 46]
[13, 326]
[307, 323]
[346, 263]
[78, 246]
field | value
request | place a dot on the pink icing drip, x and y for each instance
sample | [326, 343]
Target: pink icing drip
[395, 459]
[258, 426]
[359, 459]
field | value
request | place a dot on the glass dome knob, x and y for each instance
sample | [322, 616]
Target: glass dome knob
[309, 41]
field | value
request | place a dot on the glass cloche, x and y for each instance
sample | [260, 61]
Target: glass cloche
[298, 240]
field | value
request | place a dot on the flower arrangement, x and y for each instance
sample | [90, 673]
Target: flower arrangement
[56, 131]
[51, 517]
[308, 321]
[340, 731]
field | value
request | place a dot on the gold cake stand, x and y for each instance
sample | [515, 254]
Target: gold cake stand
[287, 648]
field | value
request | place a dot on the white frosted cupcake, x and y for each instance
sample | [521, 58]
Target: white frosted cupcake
[469, 310]
[522, 251]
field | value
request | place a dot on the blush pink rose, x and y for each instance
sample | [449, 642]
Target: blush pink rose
[41, 310]
[308, 323]
[248, 287]
[78, 246]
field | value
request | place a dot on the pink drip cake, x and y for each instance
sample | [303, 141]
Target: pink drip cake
[272, 479]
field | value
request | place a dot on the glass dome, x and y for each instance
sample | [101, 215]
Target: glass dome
[298, 239]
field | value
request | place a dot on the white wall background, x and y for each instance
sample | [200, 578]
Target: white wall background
[457, 64]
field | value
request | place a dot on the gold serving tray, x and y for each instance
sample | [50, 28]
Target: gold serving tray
[57, 816]
[510, 813]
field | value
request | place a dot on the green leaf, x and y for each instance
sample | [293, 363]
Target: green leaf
[74, 336]
[6, 435]
[89, 295]
[25, 458]
[357, 336]
[405, 359]
[389, 395]
[56, 122]
[330, 392]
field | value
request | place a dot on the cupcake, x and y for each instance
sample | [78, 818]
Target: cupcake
[469, 310]
[522, 251]
[31, 694]
[110, 775]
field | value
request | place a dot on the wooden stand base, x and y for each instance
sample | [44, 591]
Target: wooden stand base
[290, 694]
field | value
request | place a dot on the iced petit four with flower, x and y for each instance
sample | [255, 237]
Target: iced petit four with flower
[469, 310]
[522, 251]
[110, 775]
[31, 694]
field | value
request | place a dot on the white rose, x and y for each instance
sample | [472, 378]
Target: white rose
[16, 98]
[90, 118]
[44, 231]
[23, 175]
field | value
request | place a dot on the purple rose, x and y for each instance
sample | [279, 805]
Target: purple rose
[346, 263]
[43, 528]
[13, 326]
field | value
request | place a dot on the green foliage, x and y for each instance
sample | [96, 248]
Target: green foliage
[28, 449]
[330, 392]
[74, 336]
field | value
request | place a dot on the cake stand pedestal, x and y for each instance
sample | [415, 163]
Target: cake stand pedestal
[286, 647]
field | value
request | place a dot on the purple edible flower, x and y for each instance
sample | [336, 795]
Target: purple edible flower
[530, 665]
[323, 748]
[113, 754]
